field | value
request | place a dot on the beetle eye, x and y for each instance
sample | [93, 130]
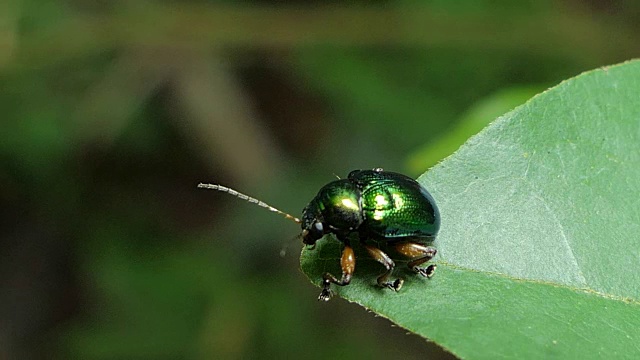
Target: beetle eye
[314, 233]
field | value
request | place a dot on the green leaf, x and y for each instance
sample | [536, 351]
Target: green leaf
[474, 120]
[539, 248]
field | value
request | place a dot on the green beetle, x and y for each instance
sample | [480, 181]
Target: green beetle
[370, 206]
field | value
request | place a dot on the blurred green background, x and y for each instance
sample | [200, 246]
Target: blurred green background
[113, 111]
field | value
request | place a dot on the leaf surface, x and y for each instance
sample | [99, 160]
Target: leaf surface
[539, 248]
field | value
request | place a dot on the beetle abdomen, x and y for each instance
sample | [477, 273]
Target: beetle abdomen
[395, 205]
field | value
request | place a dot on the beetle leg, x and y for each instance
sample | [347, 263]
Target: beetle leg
[420, 255]
[348, 264]
[383, 280]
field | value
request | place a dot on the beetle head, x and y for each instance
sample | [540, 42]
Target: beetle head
[313, 232]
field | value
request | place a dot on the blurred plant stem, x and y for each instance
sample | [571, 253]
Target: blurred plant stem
[111, 102]
[222, 119]
[211, 108]
[569, 33]
[9, 14]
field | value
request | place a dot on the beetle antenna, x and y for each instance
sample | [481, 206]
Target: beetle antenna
[248, 198]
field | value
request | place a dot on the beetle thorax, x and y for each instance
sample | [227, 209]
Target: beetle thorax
[340, 205]
[336, 208]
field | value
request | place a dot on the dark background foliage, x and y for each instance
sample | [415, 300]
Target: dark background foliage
[113, 112]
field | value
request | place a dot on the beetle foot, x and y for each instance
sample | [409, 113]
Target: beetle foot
[395, 285]
[427, 272]
[325, 295]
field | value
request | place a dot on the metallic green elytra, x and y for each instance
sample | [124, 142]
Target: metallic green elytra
[372, 207]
